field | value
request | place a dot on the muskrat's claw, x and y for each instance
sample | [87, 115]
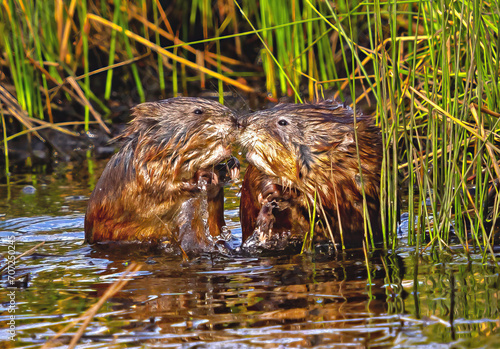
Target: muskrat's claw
[229, 168]
[234, 173]
[234, 168]
[215, 178]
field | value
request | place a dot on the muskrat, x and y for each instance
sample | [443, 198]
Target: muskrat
[165, 184]
[303, 155]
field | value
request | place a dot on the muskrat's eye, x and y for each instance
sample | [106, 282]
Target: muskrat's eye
[282, 122]
[198, 111]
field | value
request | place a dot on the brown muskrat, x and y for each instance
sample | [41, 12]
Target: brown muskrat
[165, 184]
[303, 155]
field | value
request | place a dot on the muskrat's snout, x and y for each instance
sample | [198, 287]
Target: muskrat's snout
[244, 132]
[242, 121]
[239, 123]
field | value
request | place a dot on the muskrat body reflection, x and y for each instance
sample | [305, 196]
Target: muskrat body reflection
[304, 155]
[166, 182]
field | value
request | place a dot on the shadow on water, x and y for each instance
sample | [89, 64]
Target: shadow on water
[315, 300]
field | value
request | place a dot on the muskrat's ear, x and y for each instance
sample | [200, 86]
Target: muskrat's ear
[346, 142]
[321, 146]
[144, 118]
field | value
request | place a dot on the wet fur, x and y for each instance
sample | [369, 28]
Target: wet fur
[301, 149]
[156, 187]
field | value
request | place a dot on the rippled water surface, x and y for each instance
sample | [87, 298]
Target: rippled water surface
[318, 300]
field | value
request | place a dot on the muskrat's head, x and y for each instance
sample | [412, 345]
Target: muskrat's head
[174, 138]
[310, 146]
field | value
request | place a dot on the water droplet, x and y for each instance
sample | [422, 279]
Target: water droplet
[29, 189]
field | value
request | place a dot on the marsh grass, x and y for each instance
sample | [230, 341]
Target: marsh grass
[427, 70]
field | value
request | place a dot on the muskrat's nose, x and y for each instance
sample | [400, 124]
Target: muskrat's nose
[243, 120]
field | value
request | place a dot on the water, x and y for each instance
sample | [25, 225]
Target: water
[436, 300]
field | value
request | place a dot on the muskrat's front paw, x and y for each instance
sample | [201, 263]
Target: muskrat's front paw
[270, 193]
[203, 178]
[266, 218]
[229, 170]
[233, 165]
[234, 173]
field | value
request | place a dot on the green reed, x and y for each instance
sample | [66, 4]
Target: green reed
[434, 78]
[434, 87]
[131, 52]
[112, 50]
[86, 69]
[6, 149]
